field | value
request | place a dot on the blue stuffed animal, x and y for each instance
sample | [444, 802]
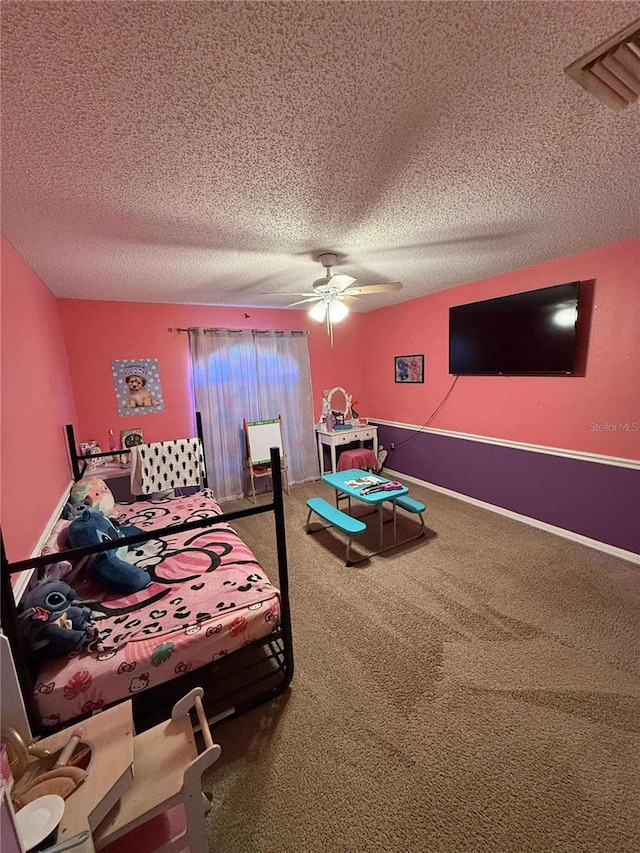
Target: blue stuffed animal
[109, 569]
[52, 622]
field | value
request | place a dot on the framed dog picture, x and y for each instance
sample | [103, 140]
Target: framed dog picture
[137, 386]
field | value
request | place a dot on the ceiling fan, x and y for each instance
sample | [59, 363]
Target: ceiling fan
[332, 293]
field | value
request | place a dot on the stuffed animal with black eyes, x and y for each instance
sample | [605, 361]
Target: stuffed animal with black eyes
[53, 622]
[109, 569]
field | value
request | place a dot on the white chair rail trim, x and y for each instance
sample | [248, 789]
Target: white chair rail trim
[585, 456]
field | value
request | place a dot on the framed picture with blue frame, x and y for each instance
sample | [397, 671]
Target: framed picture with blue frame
[409, 368]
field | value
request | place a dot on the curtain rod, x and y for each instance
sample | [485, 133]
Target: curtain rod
[194, 330]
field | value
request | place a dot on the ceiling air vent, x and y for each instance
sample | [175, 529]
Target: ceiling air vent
[611, 71]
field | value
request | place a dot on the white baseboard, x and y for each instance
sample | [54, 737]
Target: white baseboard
[24, 577]
[623, 554]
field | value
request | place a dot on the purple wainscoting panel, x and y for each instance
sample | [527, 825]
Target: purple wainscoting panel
[593, 499]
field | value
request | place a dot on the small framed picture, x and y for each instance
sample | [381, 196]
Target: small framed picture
[409, 368]
[130, 438]
[90, 448]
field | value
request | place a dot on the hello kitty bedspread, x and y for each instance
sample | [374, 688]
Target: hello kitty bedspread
[208, 596]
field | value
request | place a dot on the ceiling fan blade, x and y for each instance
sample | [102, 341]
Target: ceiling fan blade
[385, 287]
[341, 281]
[285, 293]
[349, 300]
[313, 298]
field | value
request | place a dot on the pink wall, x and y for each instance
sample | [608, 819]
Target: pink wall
[97, 332]
[35, 403]
[556, 411]
[552, 411]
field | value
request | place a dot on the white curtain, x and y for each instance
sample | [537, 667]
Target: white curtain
[252, 376]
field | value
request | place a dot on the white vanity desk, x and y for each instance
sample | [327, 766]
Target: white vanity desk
[338, 437]
[337, 401]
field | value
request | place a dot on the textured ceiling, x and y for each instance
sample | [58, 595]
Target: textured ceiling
[203, 152]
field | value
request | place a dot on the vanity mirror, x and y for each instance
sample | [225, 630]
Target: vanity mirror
[339, 401]
[340, 426]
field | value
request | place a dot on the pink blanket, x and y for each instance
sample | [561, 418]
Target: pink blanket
[208, 597]
[195, 575]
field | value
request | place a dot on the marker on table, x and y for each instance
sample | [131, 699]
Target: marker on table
[67, 751]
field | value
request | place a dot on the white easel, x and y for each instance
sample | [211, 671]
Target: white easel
[261, 437]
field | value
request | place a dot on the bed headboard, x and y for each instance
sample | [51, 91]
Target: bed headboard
[79, 461]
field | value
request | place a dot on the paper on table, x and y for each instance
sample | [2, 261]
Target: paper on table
[363, 481]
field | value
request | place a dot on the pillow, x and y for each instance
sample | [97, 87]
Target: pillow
[94, 494]
[160, 496]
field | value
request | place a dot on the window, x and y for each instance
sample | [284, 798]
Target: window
[245, 375]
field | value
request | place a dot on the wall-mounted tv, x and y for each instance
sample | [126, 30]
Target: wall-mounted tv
[531, 333]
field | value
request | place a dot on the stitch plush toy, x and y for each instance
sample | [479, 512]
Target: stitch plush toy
[109, 569]
[53, 622]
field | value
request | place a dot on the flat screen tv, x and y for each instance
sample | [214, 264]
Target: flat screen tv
[531, 333]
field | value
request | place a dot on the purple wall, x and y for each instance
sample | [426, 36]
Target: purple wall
[592, 499]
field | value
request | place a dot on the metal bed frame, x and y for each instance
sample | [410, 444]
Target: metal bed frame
[76, 458]
[253, 674]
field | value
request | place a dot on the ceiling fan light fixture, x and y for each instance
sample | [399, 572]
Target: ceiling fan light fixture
[318, 311]
[337, 310]
[330, 291]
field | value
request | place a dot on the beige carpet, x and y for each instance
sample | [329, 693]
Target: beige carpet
[477, 690]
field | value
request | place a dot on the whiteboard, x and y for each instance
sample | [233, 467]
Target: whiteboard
[261, 437]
